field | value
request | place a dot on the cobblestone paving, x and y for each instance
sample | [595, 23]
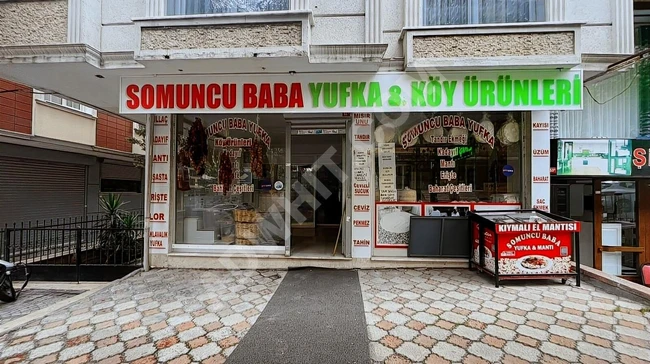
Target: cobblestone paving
[32, 300]
[171, 316]
[453, 316]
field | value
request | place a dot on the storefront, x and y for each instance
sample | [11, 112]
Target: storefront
[603, 183]
[336, 164]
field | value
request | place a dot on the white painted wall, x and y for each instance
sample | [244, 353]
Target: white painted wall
[57, 123]
[344, 22]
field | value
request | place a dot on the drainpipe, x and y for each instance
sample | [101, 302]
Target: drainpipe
[147, 188]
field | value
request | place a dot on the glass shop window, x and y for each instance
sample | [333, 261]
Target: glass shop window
[459, 158]
[228, 171]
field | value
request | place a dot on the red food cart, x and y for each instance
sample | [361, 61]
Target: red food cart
[524, 244]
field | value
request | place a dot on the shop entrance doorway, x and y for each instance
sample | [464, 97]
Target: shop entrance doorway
[317, 192]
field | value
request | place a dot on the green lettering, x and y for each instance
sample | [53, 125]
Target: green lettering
[344, 93]
[417, 93]
[577, 90]
[314, 90]
[395, 98]
[330, 94]
[547, 88]
[374, 95]
[534, 93]
[522, 93]
[563, 92]
[450, 90]
[487, 93]
[358, 97]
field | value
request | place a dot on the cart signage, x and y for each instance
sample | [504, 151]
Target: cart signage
[560, 226]
[535, 252]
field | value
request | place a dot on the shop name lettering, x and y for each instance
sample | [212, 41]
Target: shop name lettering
[640, 158]
[564, 226]
[477, 92]
[555, 242]
[447, 121]
[250, 126]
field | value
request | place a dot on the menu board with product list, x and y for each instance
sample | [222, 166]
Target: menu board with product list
[387, 172]
[159, 185]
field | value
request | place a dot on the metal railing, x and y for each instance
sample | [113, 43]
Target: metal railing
[73, 242]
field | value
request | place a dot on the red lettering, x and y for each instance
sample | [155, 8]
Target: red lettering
[183, 96]
[198, 96]
[213, 92]
[266, 99]
[147, 96]
[281, 99]
[250, 96]
[133, 101]
[640, 158]
[158, 216]
[295, 98]
[229, 96]
[164, 96]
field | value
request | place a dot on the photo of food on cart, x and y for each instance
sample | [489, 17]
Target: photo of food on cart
[536, 263]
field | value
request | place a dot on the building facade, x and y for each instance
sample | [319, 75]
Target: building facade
[318, 128]
[57, 157]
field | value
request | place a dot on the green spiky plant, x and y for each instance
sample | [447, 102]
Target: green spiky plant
[118, 228]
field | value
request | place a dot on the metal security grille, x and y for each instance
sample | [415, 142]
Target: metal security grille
[34, 190]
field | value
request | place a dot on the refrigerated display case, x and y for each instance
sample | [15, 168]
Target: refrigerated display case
[524, 244]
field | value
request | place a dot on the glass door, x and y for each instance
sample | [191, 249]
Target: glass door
[303, 195]
[619, 248]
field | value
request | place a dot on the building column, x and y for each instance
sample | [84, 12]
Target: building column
[156, 8]
[623, 26]
[299, 5]
[412, 13]
[540, 157]
[373, 22]
[556, 10]
[74, 21]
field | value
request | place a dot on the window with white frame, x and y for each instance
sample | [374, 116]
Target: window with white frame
[459, 12]
[66, 103]
[190, 7]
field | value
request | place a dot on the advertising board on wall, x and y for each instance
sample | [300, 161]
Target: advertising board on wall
[160, 188]
[362, 199]
[541, 160]
[455, 91]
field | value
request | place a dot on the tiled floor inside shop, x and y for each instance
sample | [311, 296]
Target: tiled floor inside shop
[421, 315]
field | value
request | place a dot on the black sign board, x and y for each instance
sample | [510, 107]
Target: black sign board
[641, 158]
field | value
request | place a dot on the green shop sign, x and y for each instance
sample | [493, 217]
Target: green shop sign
[355, 92]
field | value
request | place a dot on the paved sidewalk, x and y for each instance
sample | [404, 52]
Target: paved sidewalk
[417, 315]
[159, 316]
[453, 316]
[32, 300]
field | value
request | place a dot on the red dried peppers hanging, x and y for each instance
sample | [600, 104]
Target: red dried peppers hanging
[226, 175]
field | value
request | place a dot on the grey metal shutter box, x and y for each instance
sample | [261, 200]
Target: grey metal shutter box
[32, 190]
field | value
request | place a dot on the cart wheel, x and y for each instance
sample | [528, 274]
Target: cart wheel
[564, 280]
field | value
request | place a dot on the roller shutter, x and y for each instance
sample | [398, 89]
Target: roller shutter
[32, 190]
